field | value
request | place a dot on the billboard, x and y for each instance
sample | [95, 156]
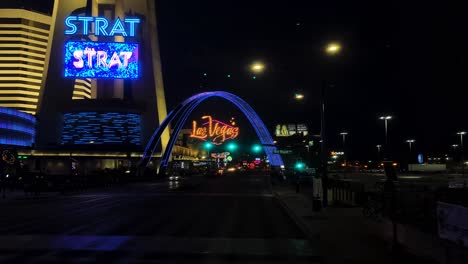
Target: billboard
[112, 60]
[285, 130]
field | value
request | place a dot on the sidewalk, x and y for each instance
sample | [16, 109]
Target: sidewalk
[345, 235]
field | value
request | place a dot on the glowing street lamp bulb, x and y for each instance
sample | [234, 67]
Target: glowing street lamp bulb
[257, 67]
[410, 141]
[298, 96]
[333, 48]
[461, 133]
[344, 133]
[385, 117]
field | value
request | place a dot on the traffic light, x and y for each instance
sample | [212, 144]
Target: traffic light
[256, 148]
[208, 145]
[232, 146]
[299, 166]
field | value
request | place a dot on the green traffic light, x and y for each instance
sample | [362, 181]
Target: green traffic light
[256, 148]
[208, 145]
[232, 146]
[299, 166]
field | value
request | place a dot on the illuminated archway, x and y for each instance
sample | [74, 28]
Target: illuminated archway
[184, 110]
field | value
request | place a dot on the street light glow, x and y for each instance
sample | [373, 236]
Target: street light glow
[410, 141]
[298, 96]
[385, 117]
[333, 48]
[257, 67]
[344, 133]
[461, 133]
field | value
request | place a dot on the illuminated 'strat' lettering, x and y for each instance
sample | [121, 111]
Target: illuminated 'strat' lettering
[116, 60]
[102, 27]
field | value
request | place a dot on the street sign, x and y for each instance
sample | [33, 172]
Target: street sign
[283, 151]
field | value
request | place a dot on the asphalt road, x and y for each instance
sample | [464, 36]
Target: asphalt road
[193, 220]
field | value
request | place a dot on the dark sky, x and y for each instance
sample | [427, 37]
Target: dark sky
[405, 59]
[408, 60]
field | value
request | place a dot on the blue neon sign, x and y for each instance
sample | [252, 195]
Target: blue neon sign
[102, 27]
[88, 59]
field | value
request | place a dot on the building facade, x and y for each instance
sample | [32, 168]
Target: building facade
[24, 39]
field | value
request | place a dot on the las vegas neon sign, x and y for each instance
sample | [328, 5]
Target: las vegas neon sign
[213, 129]
[102, 26]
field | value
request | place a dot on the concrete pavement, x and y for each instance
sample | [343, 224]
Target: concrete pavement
[214, 220]
[344, 234]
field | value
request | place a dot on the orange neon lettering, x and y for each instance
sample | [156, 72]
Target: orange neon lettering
[218, 131]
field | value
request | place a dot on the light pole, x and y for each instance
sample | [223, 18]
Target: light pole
[462, 133]
[410, 142]
[386, 118]
[331, 49]
[344, 134]
[378, 151]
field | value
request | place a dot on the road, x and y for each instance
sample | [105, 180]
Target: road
[210, 220]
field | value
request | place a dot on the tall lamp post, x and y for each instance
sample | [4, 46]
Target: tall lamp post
[462, 133]
[344, 134]
[410, 142]
[378, 151]
[385, 119]
[331, 49]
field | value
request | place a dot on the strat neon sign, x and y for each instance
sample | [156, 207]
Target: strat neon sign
[217, 131]
[101, 26]
[92, 59]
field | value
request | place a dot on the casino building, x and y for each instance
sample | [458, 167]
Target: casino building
[89, 73]
[24, 38]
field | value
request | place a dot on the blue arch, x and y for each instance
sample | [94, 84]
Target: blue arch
[184, 110]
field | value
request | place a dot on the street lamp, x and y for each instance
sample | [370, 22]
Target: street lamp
[344, 134]
[462, 133]
[410, 142]
[257, 67]
[386, 118]
[298, 96]
[378, 150]
[332, 48]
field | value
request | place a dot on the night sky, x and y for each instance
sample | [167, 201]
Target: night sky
[408, 60]
[405, 59]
